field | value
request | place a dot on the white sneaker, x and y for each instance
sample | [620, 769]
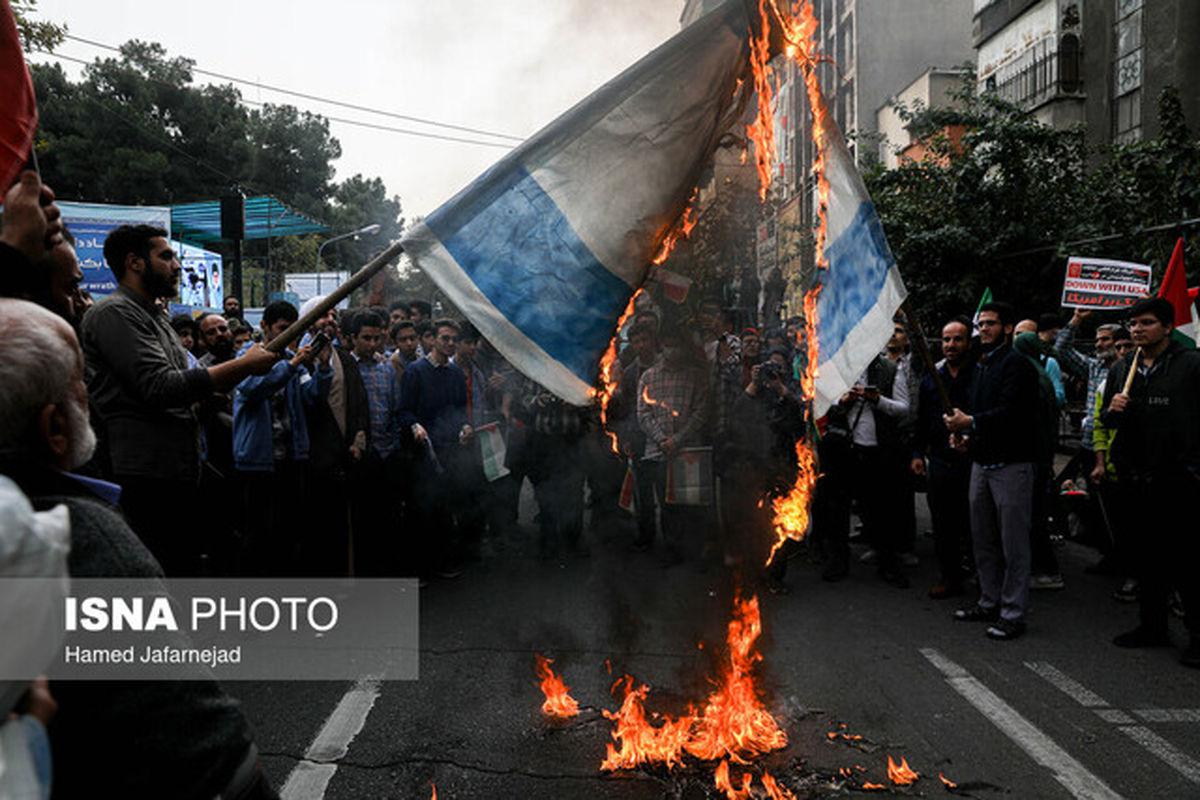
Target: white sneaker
[869, 557]
[909, 559]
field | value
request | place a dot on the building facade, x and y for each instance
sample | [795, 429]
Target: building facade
[1097, 63]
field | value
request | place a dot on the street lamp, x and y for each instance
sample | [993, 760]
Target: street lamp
[369, 230]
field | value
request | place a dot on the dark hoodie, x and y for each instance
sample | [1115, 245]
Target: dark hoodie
[1005, 405]
[1160, 428]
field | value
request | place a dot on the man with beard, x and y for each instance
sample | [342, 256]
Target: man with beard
[1001, 437]
[111, 738]
[145, 394]
[948, 471]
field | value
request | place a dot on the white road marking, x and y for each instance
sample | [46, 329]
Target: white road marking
[1175, 758]
[310, 777]
[1073, 776]
[1168, 714]
[1181, 762]
[1067, 685]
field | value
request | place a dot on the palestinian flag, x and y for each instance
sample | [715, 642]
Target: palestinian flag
[1174, 288]
[690, 477]
[983, 301]
[492, 450]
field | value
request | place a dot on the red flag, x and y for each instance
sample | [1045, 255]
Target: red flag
[1174, 286]
[18, 105]
[1175, 289]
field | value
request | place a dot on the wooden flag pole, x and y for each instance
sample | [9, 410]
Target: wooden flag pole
[368, 271]
[1133, 367]
[917, 338]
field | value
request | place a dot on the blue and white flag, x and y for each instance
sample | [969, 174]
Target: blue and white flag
[543, 251]
[862, 288]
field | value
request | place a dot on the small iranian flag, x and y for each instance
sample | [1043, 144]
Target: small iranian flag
[674, 286]
[983, 301]
[628, 490]
[1174, 288]
[690, 477]
[492, 449]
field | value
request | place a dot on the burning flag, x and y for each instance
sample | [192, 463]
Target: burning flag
[861, 289]
[544, 250]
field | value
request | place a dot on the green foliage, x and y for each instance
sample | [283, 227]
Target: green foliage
[137, 130]
[35, 34]
[1002, 208]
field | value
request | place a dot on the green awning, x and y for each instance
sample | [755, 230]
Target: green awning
[200, 223]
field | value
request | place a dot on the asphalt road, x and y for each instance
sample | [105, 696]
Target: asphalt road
[1060, 713]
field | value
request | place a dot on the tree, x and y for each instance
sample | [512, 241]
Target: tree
[1001, 208]
[36, 34]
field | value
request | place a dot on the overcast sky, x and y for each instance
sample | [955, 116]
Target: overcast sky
[508, 66]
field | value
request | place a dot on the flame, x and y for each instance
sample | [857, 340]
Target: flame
[643, 743]
[734, 722]
[650, 401]
[774, 790]
[901, 775]
[559, 702]
[725, 784]
[432, 791]
[949, 784]
[608, 380]
[679, 231]
[762, 130]
[872, 787]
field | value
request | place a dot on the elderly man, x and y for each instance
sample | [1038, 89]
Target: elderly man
[111, 739]
[145, 394]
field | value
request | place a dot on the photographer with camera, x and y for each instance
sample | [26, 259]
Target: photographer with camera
[759, 464]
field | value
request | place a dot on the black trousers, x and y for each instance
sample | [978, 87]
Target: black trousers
[167, 516]
[750, 532]
[274, 514]
[1045, 498]
[644, 507]
[950, 510]
[1166, 548]
[866, 475]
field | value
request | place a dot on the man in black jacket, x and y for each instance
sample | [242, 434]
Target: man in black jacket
[131, 739]
[1002, 438]
[1156, 453]
[948, 471]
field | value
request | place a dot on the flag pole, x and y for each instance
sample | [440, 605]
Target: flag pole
[918, 340]
[368, 271]
[1133, 367]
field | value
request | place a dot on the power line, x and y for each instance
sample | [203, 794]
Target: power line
[343, 120]
[343, 104]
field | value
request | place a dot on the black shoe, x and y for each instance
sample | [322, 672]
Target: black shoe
[449, 572]
[669, 558]
[894, 576]
[834, 571]
[1005, 629]
[1191, 654]
[977, 613]
[1142, 636]
[641, 545]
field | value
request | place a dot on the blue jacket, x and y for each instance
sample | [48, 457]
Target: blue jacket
[253, 448]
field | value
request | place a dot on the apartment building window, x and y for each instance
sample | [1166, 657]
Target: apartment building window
[1127, 72]
[848, 43]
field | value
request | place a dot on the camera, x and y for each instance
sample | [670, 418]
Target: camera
[768, 372]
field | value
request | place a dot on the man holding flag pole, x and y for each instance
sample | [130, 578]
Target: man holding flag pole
[1153, 400]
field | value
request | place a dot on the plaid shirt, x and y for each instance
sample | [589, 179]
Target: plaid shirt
[383, 401]
[1094, 369]
[677, 408]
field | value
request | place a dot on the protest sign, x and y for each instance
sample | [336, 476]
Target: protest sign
[1101, 283]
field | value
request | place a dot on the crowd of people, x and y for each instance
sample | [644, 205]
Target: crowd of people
[193, 447]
